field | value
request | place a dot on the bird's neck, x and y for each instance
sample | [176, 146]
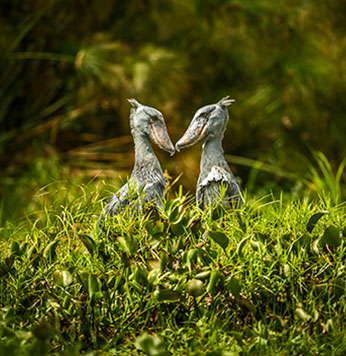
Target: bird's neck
[212, 155]
[145, 158]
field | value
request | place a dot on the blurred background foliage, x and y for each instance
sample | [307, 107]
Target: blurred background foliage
[68, 67]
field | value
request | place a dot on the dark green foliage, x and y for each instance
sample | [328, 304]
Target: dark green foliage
[314, 219]
[331, 237]
[67, 69]
[151, 345]
[219, 237]
[266, 279]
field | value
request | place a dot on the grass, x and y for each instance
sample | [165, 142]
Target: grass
[267, 279]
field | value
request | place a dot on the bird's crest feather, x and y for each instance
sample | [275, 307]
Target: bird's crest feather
[226, 101]
[134, 103]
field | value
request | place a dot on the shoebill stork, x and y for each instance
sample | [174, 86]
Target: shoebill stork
[147, 182]
[208, 127]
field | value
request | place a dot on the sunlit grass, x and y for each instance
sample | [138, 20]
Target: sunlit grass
[264, 279]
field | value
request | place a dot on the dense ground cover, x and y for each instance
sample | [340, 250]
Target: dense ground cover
[265, 279]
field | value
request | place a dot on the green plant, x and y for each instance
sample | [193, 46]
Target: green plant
[267, 278]
[323, 178]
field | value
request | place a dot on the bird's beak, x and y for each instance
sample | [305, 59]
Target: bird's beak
[196, 133]
[159, 134]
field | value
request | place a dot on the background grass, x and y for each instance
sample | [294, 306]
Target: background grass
[67, 69]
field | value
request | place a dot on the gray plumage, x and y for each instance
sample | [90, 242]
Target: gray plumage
[146, 184]
[208, 126]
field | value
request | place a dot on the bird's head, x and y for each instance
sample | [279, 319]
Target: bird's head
[208, 122]
[145, 120]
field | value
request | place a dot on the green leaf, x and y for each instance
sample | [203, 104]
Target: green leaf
[153, 276]
[151, 345]
[66, 302]
[62, 278]
[234, 287]
[218, 212]
[163, 261]
[174, 215]
[191, 256]
[214, 276]
[248, 305]
[203, 275]
[83, 277]
[219, 237]
[15, 249]
[141, 276]
[331, 325]
[315, 247]
[314, 219]
[43, 330]
[136, 286]
[94, 287]
[67, 278]
[153, 264]
[303, 314]
[88, 242]
[31, 251]
[241, 245]
[167, 295]
[177, 229]
[304, 241]
[50, 250]
[128, 244]
[331, 237]
[217, 353]
[287, 270]
[195, 287]
[125, 245]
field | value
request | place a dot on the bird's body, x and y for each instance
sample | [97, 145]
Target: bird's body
[147, 183]
[216, 182]
[216, 178]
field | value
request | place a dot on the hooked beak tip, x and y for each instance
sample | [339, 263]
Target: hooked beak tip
[169, 148]
[160, 136]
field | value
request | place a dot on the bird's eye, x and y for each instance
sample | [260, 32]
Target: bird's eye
[154, 118]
